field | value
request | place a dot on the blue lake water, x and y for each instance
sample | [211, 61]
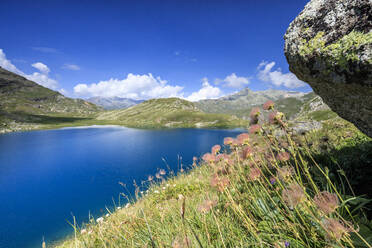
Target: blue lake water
[46, 177]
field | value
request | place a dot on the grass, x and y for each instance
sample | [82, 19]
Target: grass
[169, 112]
[260, 191]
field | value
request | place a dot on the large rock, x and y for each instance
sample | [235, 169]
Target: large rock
[329, 46]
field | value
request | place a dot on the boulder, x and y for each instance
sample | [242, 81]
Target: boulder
[329, 46]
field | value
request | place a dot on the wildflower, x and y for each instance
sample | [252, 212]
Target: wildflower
[228, 141]
[272, 180]
[118, 208]
[164, 188]
[335, 229]
[150, 178]
[83, 231]
[90, 232]
[276, 117]
[210, 158]
[162, 172]
[99, 220]
[254, 174]
[222, 170]
[181, 243]
[268, 105]
[255, 112]
[283, 156]
[255, 129]
[293, 195]
[219, 182]
[107, 215]
[216, 149]
[247, 152]
[326, 202]
[243, 139]
[156, 191]
[128, 204]
[207, 205]
[285, 172]
[158, 176]
[286, 244]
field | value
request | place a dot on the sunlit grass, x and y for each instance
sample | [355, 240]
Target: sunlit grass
[262, 189]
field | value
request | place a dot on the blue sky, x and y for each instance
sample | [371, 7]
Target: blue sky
[144, 49]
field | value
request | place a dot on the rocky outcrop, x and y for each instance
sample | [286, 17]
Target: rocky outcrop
[329, 46]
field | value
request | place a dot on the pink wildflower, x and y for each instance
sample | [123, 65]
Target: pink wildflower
[326, 202]
[254, 174]
[255, 129]
[209, 158]
[283, 156]
[255, 112]
[293, 195]
[216, 149]
[243, 138]
[268, 105]
[228, 141]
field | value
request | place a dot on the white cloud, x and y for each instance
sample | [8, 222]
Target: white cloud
[43, 79]
[234, 81]
[41, 67]
[7, 64]
[276, 77]
[206, 92]
[133, 86]
[71, 67]
[40, 78]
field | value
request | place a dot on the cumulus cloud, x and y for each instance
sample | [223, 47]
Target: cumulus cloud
[277, 77]
[7, 64]
[41, 67]
[41, 77]
[133, 86]
[233, 81]
[71, 67]
[206, 92]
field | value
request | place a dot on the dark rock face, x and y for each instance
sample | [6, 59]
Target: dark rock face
[329, 46]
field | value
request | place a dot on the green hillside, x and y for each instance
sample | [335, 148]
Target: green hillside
[26, 105]
[169, 112]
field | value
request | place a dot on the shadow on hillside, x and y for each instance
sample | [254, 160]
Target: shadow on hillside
[355, 160]
[45, 119]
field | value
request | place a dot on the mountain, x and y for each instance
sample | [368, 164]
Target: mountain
[26, 105]
[244, 100]
[169, 112]
[110, 103]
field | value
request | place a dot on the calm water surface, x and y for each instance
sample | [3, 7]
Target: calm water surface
[46, 177]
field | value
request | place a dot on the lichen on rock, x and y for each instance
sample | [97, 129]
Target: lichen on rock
[329, 46]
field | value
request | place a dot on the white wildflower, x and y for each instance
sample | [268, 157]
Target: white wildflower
[99, 220]
[83, 231]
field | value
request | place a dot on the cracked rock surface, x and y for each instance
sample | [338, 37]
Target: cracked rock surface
[329, 46]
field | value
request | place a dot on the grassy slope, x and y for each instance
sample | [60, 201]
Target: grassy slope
[228, 218]
[27, 105]
[169, 112]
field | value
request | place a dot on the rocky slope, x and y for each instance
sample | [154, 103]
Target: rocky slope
[329, 46]
[243, 100]
[25, 104]
[110, 103]
[169, 112]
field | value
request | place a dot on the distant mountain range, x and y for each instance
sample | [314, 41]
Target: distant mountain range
[243, 101]
[26, 105]
[110, 103]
